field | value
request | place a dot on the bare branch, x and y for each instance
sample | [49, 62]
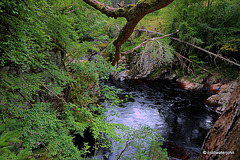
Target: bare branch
[127, 144]
[151, 39]
[206, 51]
[211, 53]
[193, 62]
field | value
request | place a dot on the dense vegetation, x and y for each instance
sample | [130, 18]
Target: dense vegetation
[51, 79]
[210, 24]
[45, 97]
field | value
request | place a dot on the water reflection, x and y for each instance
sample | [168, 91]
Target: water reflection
[135, 113]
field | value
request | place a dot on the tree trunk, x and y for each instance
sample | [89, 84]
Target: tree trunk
[223, 140]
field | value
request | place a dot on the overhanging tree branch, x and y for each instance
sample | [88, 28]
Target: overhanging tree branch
[133, 13]
[105, 9]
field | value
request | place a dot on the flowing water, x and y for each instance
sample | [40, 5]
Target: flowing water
[180, 116]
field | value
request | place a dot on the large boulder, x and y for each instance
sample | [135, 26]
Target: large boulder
[121, 76]
[141, 66]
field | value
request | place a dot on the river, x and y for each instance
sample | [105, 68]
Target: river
[180, 116]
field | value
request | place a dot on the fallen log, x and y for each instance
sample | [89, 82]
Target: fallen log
[204, 50]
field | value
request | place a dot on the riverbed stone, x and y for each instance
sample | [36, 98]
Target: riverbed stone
[222, 98]
[121, 76]
[190, 85]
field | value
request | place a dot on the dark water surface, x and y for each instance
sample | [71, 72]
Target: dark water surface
[180, 116]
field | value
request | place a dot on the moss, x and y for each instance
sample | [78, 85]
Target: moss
[140, 1]
[100, 6]
[130, 6]
[149, 2]
[120, 11]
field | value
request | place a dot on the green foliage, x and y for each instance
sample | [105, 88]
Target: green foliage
[111, 95]
[196, 61]
[23, 40]
[228, 74]
[10, 133]
[47, 93]
[35, 36]
[141, 143]
[204, 22]
[207, 22]
[86, 80]
[41, 127]
[212, 25]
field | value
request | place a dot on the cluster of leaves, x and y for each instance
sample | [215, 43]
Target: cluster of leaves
[141, 143]
[10, 135]
[211, 24]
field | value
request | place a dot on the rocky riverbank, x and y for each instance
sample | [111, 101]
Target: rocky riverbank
[220, 90]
